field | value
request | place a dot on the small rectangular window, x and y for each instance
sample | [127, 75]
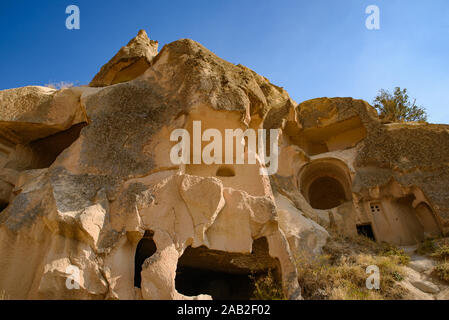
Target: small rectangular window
[375, 207]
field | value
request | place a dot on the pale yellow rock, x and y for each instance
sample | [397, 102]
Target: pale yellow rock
[426, 286]
[31, 113]
[443, 295]
[305, 236]
[86, 180]
[232, 230]
[414, 293]
[204, 200]
[129, 63]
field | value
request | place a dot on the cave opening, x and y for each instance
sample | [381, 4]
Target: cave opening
[42, 153]
[366, 230]
[325, 183]
[47, 149]
[416, 223]
[225, 171]
[224, 275]
[3, 205]
[326, 193]
[427, 218]
[220, 285]
[145, 249]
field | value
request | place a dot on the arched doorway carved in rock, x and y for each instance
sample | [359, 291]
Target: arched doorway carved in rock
[325, 183]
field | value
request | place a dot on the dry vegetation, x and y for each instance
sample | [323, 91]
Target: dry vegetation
[3, 295]
[340, 273]
[442, 271]
[267, 287]
[439, 250]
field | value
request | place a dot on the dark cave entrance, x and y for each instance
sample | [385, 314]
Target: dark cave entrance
[145, 249]
[3, 205]
[326, 193]
[42, 153]
[325, 183]
[47, 149]
[225, 171]
[366, 230]
[219, 285]
[224, 275]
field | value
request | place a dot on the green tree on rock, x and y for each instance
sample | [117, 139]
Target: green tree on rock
[397, 107]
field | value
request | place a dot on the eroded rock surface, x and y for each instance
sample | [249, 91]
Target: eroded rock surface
[92, 207]
[129, 63]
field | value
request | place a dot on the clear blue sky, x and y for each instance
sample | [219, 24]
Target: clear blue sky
[311, 48]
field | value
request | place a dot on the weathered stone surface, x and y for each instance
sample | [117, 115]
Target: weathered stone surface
[204, 199]
[407, 155]
[114, 181]
[426, 286]
[86, 179]
[323, 112]
[129, 63]
[422, 265]
[305, 236]
[31, 113]
[443, 295]
[414, 293]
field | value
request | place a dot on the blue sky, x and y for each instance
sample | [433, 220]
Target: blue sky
[311, 48]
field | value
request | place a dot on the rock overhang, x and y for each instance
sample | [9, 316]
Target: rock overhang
[111, 185]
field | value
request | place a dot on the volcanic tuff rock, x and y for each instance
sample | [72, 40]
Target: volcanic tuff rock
[130, 62]
[86, 180]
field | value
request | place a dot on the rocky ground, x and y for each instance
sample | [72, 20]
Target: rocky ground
[420, 279]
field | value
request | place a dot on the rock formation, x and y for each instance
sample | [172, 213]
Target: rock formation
[87, 183]
[129, 63]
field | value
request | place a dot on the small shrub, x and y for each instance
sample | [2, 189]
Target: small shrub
[398, 107]
[439, 250]
[3, 295]
[441, 253]
[267, 287]
[436, 248]
[396, 253]
[442, 271]
[397, 276]
[340, 273]
[426, 247]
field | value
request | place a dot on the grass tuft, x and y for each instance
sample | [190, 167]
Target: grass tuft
[442, 271]
[3, 295]
[437, 249]
[441, 253]
[426, 247]
[267, 287]
[394, 252]
[340, 273]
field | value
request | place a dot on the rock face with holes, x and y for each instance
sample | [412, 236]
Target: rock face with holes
[77, 217]
[360, 175]
[92, 206]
